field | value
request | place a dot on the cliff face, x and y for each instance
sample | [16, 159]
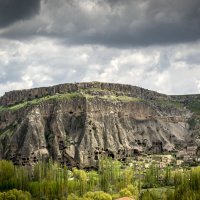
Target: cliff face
[14, 97]
[77, 123]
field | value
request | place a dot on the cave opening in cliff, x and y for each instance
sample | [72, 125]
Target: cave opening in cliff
[111, 155]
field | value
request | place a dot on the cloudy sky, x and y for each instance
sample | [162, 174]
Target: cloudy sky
[153, 44]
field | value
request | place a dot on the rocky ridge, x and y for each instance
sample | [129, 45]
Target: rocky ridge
[77, 124]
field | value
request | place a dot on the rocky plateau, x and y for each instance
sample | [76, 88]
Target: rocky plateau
[78, 123]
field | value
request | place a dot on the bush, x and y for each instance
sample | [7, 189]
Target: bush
[125, 193]
[98, 195]
[15, 195]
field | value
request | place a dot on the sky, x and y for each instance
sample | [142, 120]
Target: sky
[154, 44]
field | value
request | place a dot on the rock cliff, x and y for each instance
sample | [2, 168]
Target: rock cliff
[78, 123]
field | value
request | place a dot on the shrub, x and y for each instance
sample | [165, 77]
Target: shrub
[98, 195]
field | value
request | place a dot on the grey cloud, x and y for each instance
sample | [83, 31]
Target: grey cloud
[114, 23]
[44, 62]
[191, 60]
[149, 43]
[164, 62]
[12, 11]
[13, 72]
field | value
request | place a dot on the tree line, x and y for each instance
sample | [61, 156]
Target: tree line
[50, 181]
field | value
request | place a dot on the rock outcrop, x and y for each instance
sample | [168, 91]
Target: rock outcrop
[78, 123]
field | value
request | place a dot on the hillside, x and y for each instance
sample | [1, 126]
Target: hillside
[78, 123]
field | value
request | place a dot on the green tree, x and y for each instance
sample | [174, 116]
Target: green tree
[7, 174]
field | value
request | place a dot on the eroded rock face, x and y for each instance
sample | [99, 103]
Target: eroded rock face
[78, 123]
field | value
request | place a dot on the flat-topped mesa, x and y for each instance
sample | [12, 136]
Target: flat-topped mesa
[75, 124]
[17, 96]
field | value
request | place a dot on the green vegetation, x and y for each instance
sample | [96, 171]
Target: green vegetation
[121, 98]
[186, 187]
[108, 95]
[113, 180]
[57, 97]
[52, 181]
[115, 98]
[7, 132]
[94, 89]
[194, 106]
[15, 195]
[68, 96]
[167, 103]
[192, 123]
[2, 108]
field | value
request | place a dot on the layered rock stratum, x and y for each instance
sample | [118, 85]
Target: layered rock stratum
[78, 123]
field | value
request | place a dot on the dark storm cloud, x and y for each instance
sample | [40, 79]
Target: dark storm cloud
[140, 42]
[113, 23]
[148, 22]
[12, 11]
